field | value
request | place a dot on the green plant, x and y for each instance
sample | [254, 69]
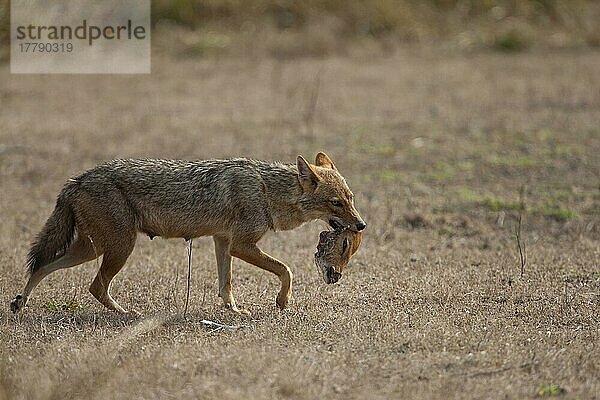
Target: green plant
[550, 390]
[442, 172]
[558, 213]
[71, 305]
[512, 41]
[496, 204]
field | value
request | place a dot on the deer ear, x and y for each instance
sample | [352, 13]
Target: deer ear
[307, 175]
[323, 160]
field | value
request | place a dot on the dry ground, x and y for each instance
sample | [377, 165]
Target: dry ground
[433, 306]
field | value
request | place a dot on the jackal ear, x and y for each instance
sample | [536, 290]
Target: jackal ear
[323, 160]
[307, 175]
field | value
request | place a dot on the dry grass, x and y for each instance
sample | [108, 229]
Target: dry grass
[432, 306]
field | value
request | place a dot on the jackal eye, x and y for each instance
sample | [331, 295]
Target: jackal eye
[336, 203]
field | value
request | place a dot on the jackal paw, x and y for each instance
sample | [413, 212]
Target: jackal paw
[17, 303]
[235, 309]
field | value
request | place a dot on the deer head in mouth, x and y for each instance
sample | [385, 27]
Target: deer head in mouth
[334, 251]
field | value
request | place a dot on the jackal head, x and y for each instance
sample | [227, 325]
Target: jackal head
[334, 251]
[326, 195]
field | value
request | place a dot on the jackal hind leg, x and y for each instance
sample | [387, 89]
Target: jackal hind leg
[224, 269]
[115, 256]
[82, 250]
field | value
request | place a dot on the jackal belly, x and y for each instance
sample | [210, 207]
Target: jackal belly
[173, 225]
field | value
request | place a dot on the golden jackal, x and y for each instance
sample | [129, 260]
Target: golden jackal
[235, 201]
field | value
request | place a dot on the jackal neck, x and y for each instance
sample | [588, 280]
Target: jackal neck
[283, 192]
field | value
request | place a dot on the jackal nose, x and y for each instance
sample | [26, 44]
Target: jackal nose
[360, 226]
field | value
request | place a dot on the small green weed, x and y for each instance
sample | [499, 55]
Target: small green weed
[494, 203]
[516, 161]
[442, 172]
[389, 175]
[556, 212]
[71, 306]
[512, 41]
[550, 390]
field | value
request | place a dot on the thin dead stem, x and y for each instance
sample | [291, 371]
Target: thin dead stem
[175, 289]
[311, 108]
[189, 277]
[520, 244]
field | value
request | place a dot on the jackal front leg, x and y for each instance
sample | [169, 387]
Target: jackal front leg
[224, 269]
[253, 255]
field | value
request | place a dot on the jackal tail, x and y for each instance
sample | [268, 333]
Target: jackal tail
[56, 235]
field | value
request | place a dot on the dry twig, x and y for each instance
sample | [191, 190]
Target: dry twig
[520, 244]
[311, 107]
[189, 277]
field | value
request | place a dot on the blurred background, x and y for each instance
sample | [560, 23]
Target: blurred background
[318, 28]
